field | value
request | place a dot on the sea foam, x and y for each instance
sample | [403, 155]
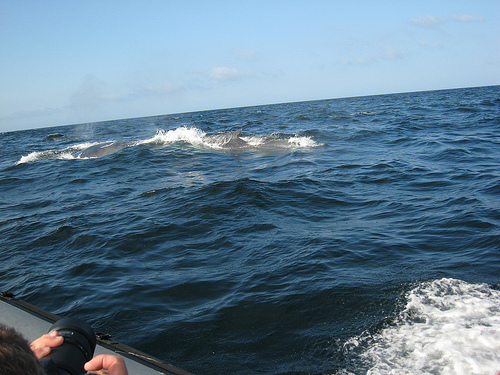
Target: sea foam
[189, 135]
[198, 138]
[67, 153]
[448, 327]
[182, 134]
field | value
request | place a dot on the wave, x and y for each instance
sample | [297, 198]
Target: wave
[448, 326]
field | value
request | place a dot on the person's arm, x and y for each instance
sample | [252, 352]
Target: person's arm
[114, 364]
[42, 345]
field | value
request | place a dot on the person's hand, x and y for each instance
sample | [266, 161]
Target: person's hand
[42, 345]
[114, 364]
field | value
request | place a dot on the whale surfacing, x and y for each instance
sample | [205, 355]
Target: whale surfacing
[103, 149]
[233, 140]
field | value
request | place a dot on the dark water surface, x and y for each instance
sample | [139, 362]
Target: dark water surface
[356, 235]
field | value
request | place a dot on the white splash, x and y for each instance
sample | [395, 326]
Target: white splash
[189, 135]
[297, 141]
[67, 153]
[198, 138]
[448, 327]
[193, 136]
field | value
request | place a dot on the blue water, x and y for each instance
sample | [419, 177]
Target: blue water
[336, 237]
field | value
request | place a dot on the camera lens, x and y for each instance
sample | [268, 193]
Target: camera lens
[78, 346]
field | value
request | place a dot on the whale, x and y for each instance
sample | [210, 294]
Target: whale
[233, 140]
[61, 137]
[103, 149]
[55, 137]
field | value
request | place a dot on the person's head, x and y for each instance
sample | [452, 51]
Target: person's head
[16, 357]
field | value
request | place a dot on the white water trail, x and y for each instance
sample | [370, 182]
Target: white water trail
[448, 327]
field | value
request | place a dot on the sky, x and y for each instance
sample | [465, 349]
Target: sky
[70, 62]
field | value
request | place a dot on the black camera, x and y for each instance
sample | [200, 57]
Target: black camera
[77, 349]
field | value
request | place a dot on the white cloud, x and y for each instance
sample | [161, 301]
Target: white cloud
[390, 53]
[87, 100]
[246, 54]
[95, 100]
[434, 22]
[353, 61]
[428, 22]
[386, 53]
[223, 73]
[29, 119]
[468, 18]
[428, 45]
[145, 92]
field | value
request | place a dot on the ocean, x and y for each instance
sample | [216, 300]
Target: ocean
[345, 236]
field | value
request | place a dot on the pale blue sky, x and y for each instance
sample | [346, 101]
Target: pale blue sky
[68, 62]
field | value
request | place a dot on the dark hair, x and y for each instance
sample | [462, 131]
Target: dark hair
[16, 357]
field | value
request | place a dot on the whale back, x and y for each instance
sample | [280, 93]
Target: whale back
[233, 140]
[103, 149]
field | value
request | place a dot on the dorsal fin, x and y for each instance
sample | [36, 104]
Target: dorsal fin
[233, 140]
[236, 134]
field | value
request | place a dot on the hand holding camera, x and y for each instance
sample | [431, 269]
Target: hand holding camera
[68, 349]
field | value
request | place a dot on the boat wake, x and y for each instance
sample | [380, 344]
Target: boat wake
[448, 326]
